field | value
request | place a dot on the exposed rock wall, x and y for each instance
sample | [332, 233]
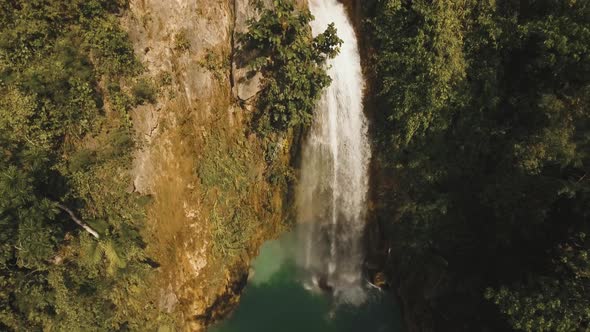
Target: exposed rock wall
[155, 28]
[198, 160]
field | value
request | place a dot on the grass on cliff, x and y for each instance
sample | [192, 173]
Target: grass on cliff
[229, 171]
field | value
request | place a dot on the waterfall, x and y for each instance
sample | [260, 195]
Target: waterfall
[333, 187]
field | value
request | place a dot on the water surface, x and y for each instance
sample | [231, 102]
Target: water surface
[275, 300]
[287, 291]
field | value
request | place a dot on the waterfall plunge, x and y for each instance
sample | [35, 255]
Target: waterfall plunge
[334, 182]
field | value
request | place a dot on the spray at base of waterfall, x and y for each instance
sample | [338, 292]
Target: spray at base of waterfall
[332, 191]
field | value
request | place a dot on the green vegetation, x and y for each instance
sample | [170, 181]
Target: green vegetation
[68, 79]
[181, 41]
[280, 46]
[144, 91]
[551, 304]
[483, 118]
[239, 196]
[65, 144]
[226, 174]
[216, 63]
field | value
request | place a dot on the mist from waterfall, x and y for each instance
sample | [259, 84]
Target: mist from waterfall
[333, 187]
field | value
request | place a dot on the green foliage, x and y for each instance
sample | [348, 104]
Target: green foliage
[59, 144]
[121, 101]
[280, 46]
[226, 171]
[82, 160]
[482, 117]
[231, 233]
[420, 63]
[556, 302]
[112, 47]
[144, 92]
[215, 63]
[181, 41]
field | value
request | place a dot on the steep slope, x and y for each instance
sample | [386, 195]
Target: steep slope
[213, 204]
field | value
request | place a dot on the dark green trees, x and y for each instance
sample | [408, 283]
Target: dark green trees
[557, 301]
[61, 145]
[484, 114]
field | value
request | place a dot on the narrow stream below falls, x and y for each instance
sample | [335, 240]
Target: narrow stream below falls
[276, 300]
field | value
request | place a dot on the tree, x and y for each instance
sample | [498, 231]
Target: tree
[64, 161]
[482, 117]
[292, 64]
[556, 302]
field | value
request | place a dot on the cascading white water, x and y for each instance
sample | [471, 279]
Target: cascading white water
[334, 170]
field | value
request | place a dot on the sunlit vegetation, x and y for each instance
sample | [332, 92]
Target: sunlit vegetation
[65, 144]
[182, 42]
[280, 46]
[226, 172]
[483, 117]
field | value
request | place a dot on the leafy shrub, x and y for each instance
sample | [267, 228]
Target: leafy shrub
[292, 63]
[482, 120]
[215, 63]
[181, 41]
[120, 142]
[82, 159]
[53, 275]
[144, 92]
[112, 46]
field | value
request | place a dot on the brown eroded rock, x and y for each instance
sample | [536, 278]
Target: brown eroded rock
[195, 160]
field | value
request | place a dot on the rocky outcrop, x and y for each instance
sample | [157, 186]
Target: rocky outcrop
[155, 28]
[193, 138]
[245, 83]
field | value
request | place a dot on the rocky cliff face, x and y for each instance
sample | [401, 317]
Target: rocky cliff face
[213, 203]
